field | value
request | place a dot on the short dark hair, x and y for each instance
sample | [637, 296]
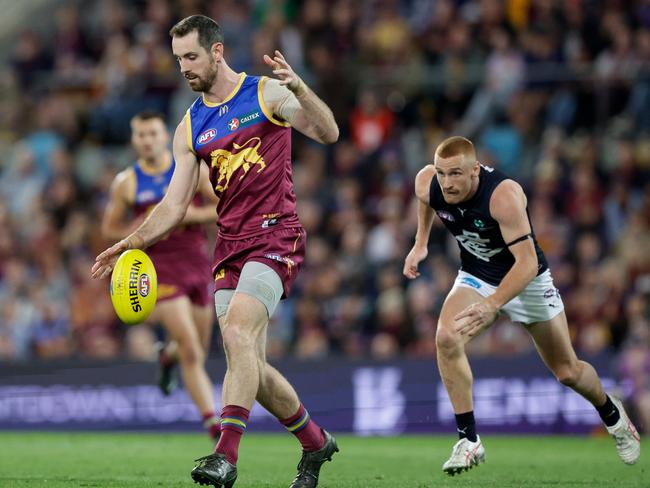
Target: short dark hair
[149, 114]
[209, 31]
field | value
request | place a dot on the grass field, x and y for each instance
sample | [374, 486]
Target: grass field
[148, 460]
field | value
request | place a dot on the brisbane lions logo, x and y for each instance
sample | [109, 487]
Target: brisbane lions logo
[244, 156]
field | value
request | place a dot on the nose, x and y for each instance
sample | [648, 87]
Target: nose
[447, 187]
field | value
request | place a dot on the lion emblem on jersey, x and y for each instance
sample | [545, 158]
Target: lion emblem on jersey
[244, 157]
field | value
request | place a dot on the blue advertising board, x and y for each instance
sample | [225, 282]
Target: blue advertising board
[365, 397]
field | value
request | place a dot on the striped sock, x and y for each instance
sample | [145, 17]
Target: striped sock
[233, 425]
[305, 429]
[212, 423]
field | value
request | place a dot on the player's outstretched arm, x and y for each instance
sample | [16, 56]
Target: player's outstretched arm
[166, 215]
[425, 220]
[206, 213]
[291, 99]
[508, 208]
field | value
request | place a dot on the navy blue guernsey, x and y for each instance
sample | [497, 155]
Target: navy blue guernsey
[483, 253]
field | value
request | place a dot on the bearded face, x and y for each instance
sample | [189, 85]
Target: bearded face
[198, 65]
[202, 82]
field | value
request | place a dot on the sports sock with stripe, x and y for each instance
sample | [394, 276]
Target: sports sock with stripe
[305, 429]
[233, 426]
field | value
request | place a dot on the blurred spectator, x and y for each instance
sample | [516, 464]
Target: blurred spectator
[635, 359]
[51, 333]
[371, 122]
[16, 326]
[504, 75]
[29, 60]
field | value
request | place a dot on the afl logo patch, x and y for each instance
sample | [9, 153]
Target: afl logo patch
[144, 285]
[206, 136]
[445, 215]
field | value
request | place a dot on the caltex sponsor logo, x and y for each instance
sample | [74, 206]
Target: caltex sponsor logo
[250, 117]
[237, 123]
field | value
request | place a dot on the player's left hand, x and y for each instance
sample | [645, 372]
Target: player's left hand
[283, 71]
[475, 318]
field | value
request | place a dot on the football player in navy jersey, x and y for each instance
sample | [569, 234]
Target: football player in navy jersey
[502, 269]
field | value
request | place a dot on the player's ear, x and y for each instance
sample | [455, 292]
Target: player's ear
[473, 165]
[217, 51]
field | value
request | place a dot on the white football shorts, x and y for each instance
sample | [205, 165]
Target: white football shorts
[538, 302]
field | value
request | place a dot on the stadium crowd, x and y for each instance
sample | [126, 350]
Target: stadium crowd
[557, 94]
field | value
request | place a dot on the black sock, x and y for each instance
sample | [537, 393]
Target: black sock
[466, 426]
[608, 412]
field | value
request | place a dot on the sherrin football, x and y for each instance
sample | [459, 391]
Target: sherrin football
[134, 286]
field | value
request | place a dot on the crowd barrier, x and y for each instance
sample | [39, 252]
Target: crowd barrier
[512, 395]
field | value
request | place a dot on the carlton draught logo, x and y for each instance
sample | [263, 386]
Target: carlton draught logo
[206, 136]
[244, 157]
[134, 285]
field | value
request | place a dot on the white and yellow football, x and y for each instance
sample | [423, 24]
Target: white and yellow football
[134, 286]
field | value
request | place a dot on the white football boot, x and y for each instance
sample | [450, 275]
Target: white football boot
[628, 441]
[465, 455]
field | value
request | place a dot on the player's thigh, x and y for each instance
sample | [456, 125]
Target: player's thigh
[223, 302]
[459, 299]
[259, 290]
[176, 316]
[260, 344]
[245, 312]
[242, 325]
[222, 298]
[203, 317]
[553, 342]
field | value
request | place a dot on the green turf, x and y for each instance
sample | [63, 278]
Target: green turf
[147, 460]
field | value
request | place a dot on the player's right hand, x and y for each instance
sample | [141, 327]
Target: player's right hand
[411, 262]
[105, 261]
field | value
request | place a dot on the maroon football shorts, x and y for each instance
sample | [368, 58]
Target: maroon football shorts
[184, 274]
[283, 250]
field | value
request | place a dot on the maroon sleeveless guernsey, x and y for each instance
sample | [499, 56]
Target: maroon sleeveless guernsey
[249, 154]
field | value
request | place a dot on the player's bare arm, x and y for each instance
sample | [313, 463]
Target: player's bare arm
[206, 213]
[292, 100]
[166, 215]
[425, 220]
[115, 222]
[508, 208]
